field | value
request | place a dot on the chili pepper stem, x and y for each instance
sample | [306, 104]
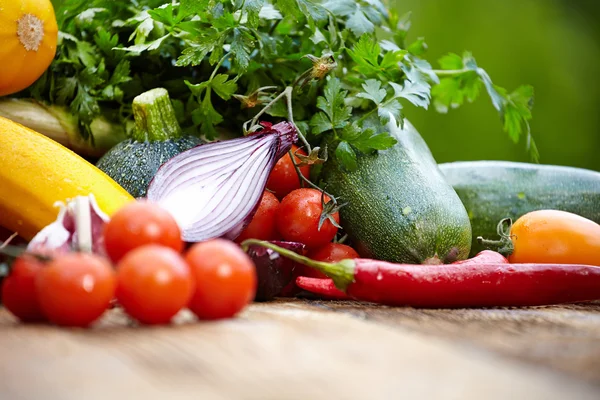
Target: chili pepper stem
[504, 246]
[342, 273]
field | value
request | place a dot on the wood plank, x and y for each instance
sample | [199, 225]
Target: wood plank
[279, 350]
[562, 338]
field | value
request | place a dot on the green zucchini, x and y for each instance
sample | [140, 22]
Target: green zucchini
[493, 190]
[155, 139]
[400, 208]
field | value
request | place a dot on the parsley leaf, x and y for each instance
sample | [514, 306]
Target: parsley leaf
[464, 81]
[346, 155]
[372, 91]
[333, 105]
[222, 87]
[391, 108]
[194, 54]
[320, 123]
[241, 46]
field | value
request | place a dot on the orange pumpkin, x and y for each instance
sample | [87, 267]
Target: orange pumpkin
[28, 36]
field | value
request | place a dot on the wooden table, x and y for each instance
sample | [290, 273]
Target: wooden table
[303, 349]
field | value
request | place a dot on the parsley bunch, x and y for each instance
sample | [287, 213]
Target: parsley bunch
[341, 63]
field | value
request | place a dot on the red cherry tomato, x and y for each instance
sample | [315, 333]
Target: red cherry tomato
[262, 225]
[18, 289]
[298, 219]
[331, 253]
[153, 284]
[75, 289]
[225, 279]
[139, 223]
[283, 178]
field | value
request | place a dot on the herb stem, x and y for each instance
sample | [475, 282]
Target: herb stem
[254, 120]
[366, 115]
[214, 73]
[451, 72]
[288, 95]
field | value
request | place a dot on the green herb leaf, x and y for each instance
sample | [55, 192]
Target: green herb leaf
[365, 54]
[241, 46]
[333, 104]
[372, 91]
[359, 24]
[346, 156]
[207, 117]
[392, 108]
[191, 7]
[222, 87]
[194, 54]
[139, 48]
[366, 140]
[320, 123]
[418, 92]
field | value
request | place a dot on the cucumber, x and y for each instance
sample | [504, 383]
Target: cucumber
[155, 139]
[400, 208]
[493, 190]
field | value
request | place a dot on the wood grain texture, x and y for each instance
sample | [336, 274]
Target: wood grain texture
[304, 350]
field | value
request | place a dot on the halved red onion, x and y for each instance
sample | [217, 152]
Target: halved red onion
[213, 189]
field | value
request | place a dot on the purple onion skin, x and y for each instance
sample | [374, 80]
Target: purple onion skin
[232, 212]
[275, 273]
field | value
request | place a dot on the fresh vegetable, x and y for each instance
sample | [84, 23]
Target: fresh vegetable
[462, 285]
[493, 190]
[299, 218]
[18, 289]
[155, 139]
[262, 225]
[321, 286]
[220, 60]
[214, 189]
[153, 284]
[284, 178]
[225, 279]
[60, 125]
[331, 252]
[317, 282]
[485, 257]
[36, 172]
[275, 274]
[28, 36]
[78, 227]
[549, 236]
[400, 208]
[137, 224]
[75, 289]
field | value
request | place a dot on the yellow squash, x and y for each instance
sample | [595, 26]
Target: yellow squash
[28, 36]
[36, 172]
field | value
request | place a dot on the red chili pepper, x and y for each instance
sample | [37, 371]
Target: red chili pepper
[321, 286]
[485, 256]
[457, 285]
[327, 289]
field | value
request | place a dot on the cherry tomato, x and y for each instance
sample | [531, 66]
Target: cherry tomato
[298, 219]
[283, 178]
[551, 236]
[75, 289]
[18, 290]
[139, 223]
[225, 279]
[331, 253]
[262, 225]
[153, 283]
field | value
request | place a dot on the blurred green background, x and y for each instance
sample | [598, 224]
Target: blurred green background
[553, 45]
